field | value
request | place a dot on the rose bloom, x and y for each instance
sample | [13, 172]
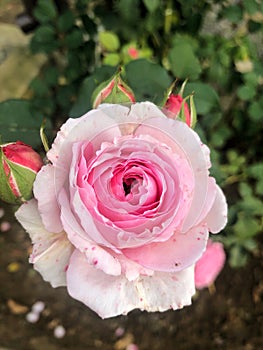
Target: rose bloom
[124, 210]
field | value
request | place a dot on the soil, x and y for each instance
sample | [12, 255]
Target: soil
[230, 318]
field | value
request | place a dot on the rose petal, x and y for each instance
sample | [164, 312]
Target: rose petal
[96, 255]
[176, 254]
[53, 263]
[209, 265]
[66, 128]
[217, 217]
[51, 251]
[186, 143]
[110, 296]
[45, 193]
[209, 201]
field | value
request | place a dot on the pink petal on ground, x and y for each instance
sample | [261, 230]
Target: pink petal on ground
[110, 296]
[45, 193]
[51, 251]
[210, 265]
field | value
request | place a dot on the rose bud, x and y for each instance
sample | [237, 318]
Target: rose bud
[178, 106]
[113, 90]
[209, 265]
[19, 164]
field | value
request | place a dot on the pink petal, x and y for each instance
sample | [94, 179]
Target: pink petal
[110, 296]
[96, 255]
[209, 201]
[209, 265]
[94, 126]
[51, 251]
[186, 143]
[45, 193]
[217, 217]
[176, 254]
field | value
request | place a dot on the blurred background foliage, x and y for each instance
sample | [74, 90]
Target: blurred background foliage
[217, 46]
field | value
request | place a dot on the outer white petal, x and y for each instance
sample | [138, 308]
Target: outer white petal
[110, 296]
[53, 153]
[44, 191]
[51, 251]
[216, 219]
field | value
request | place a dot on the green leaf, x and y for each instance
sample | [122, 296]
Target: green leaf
[251, 6]
[238, 257]
[184, 63]
[74, 39]
[45, 11]
[233, 13]
[83, 103]
[44, 39]
[111, 59]
[246, 226]
[148, 80]
[246, 92]
[256, 170]
[152, 5]
[109, 41]
[66, 21]
[204, 95]
[18, 121]
[255, 111]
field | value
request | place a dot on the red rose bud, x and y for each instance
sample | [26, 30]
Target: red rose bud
[112, 91]
[174, 105]
[179, 107]
[19, 164]
[133, 52]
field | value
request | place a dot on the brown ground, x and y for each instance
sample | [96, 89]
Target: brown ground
[232, 318]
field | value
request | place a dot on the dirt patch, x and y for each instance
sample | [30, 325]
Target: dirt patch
[9, 10]
[231, 318]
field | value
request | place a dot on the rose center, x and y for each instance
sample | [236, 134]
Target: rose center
[128, 184]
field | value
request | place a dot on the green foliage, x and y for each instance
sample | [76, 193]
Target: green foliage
[217, 46]
[149, 81]
[19, 121]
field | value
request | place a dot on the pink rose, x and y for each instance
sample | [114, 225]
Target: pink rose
[124, 210]
[210, 265]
